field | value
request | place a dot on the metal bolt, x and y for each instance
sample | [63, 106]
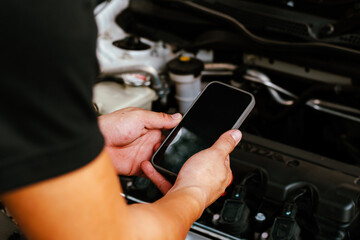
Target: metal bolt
[215, 218]
[264, 236]
[260, 217]
[129, 185]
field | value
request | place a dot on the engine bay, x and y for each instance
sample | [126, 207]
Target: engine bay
[296, 171]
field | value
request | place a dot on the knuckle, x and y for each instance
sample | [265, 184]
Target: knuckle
[164, 115]
[229, 143]
[230, 140]
[225, 145]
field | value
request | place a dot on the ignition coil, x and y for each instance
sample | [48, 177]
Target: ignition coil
[235, 213]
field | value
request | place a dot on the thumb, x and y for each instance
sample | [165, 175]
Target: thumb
[228, 141]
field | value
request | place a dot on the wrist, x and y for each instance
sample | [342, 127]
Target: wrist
[175, 212]
[194, 194]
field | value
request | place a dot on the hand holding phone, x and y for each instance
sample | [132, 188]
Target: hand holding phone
[218, 108]
[208, 172]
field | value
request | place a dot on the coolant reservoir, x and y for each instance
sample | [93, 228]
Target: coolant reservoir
[186, 73]
[111, 96]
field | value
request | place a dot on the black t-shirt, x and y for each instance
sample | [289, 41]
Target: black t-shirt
[47, 68]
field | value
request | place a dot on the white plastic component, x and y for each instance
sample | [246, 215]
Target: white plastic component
[187, 89]
[136, 79]
[112, 96]
[111, 57]
[205, 55]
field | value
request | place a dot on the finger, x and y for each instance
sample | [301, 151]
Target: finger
[163, 137]
[156, 120]
[160, 182]
[228, 141]
[156, 146]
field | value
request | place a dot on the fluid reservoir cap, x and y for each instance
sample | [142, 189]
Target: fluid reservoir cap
[185, 65]
[131, 43]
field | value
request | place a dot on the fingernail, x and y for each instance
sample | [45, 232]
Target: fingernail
[236, 134]
[176, 116]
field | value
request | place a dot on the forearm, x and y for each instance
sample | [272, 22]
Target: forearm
[170, 217]
[86, 204]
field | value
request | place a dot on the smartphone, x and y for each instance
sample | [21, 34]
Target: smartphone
[217, 109]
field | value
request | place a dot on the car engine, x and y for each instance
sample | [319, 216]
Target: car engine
[296, 171]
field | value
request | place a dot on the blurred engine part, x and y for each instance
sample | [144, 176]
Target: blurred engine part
[122, 53]
[110, 96]
[9, 229]
[279, 192]
[297, 169]
[123, 73]
[185, 72]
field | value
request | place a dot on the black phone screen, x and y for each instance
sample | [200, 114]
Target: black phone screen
[218, 109]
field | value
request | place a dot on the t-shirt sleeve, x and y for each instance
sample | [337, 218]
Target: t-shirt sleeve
[48, 66]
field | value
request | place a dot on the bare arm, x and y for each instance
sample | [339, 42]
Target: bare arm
[86, 203]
